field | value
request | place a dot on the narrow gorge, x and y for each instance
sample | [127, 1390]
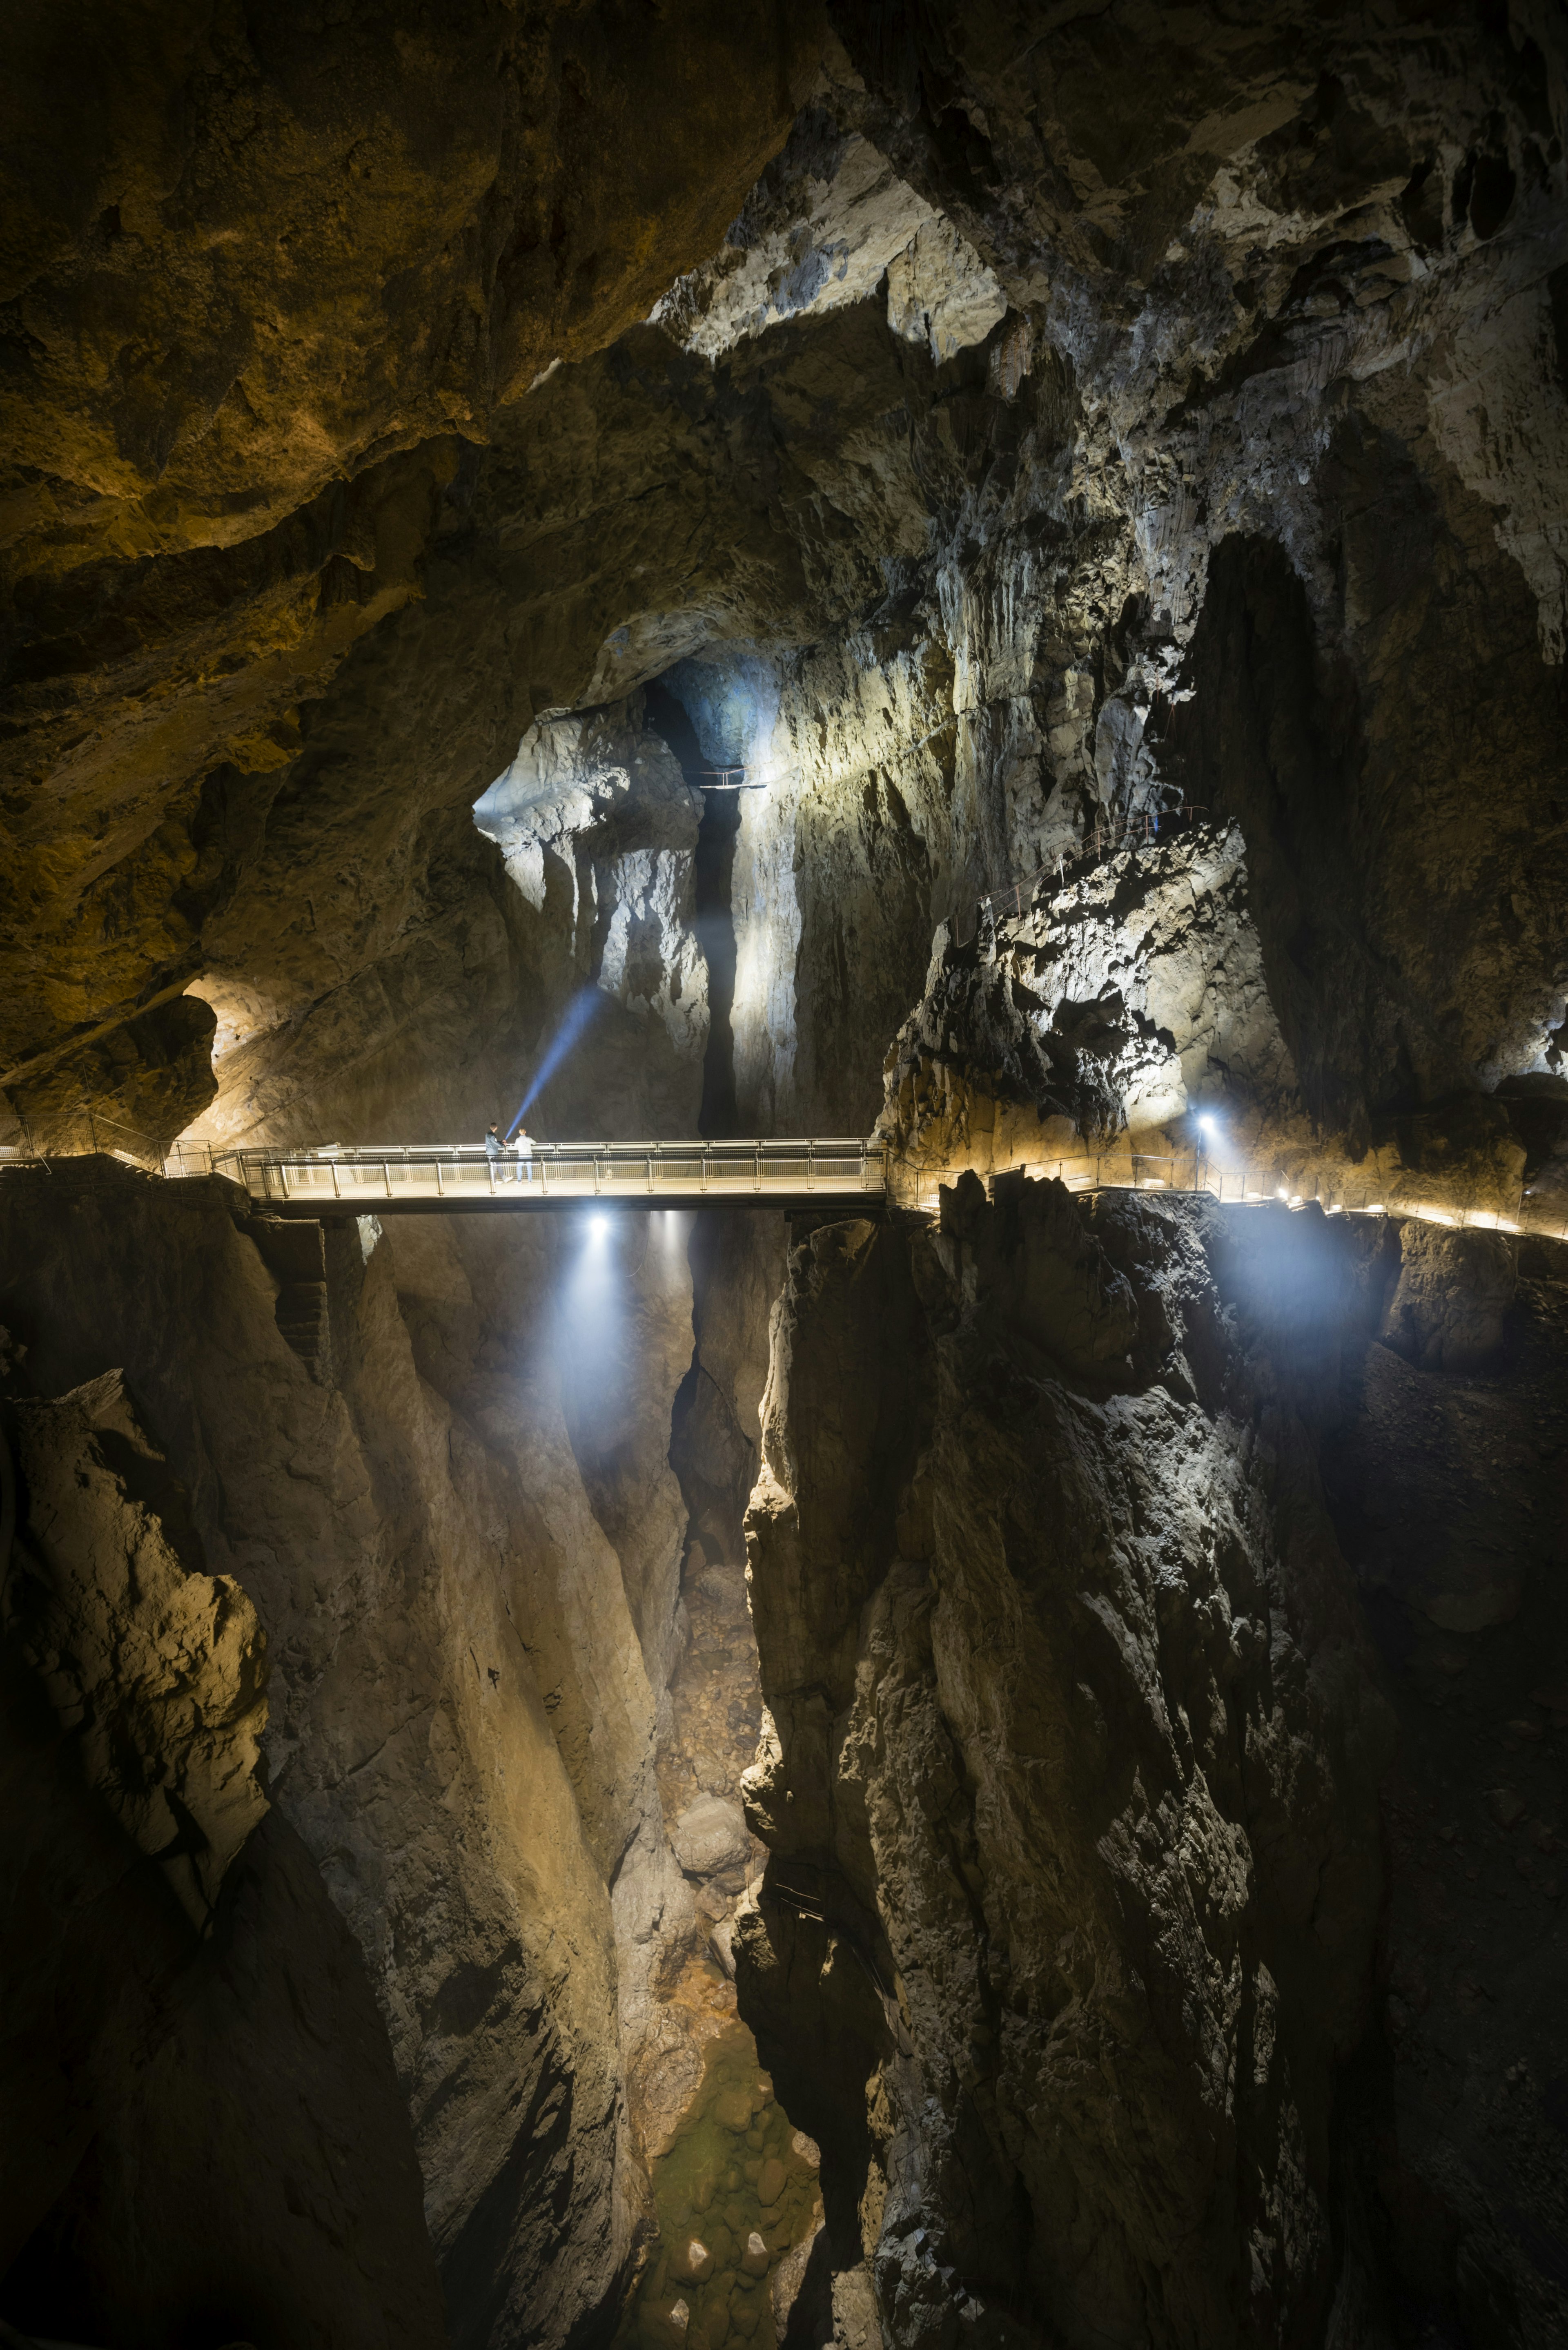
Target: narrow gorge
[783, 1176]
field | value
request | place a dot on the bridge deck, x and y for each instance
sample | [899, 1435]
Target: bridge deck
[459, 1179]
[835, 1172]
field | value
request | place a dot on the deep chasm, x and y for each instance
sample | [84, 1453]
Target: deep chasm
[783, 1176]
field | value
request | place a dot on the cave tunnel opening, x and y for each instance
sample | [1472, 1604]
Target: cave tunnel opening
[715, 864]
[736, 2184]
[713, 871]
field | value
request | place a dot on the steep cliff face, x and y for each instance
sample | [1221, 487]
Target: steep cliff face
[266, 282]
[202, 2132]
[451, 1506]
[1069, 1780]
[1114, 1018]
[1097, 1015]
[161, 1669]
[1219, 510]
[440, 440]
[1084, 1788]
[1446, 1483]
[1217, 502]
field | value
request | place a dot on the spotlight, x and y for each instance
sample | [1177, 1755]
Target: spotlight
[599, 1226]
[1206, 1123]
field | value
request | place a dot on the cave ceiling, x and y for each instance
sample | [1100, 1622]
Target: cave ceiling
[1071, 413]
[1081, 1680]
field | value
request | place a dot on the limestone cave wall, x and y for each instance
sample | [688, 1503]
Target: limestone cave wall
[1299, 322]
[451, 1545]
[1096, 476]
[1161, 1898]
[1069, 1775]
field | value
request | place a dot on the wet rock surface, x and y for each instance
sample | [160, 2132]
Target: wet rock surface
[736, 2196]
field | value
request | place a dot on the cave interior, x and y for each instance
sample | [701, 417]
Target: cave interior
[978, 1768]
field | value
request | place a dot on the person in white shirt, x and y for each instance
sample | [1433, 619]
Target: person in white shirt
[524, 1147]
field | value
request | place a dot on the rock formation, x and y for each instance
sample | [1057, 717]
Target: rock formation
[238, 390]
[988, 574]
[202, 2130]
[159, 1668]
[1070, 1778]
[450, 1638]
[1445, 1485]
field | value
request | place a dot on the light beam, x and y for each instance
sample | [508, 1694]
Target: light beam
[577, 1015]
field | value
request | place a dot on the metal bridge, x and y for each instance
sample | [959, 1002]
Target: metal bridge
[386, 1179]
[842, 1171]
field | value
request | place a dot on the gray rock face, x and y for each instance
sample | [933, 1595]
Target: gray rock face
[818, 232]
[827, 224]
[940, 292]
[1123, 1012]
[201, 2100]
[239, 384]
[1069, 1781]
[1114, 1004]
[1079, 413]
[453, 1640]
[1453, 1293]
[158, 1668]
[1446, 1487]
[709, 1836]
[596, 811]
[1171, 525]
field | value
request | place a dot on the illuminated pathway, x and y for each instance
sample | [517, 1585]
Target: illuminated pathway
[388, 1177]
[838, 1170]
[1237, 1182]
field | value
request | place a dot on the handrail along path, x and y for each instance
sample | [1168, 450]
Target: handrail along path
[821, 1172]
[386, 1179]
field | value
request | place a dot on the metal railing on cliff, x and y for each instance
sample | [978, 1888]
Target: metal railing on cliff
[845, 1172]
[1233, 1183]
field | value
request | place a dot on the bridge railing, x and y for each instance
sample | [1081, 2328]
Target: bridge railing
[1335, 1190]
[841, 1167]
[836, 1165]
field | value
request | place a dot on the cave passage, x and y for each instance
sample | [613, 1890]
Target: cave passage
[958, 1743]
[712, 873]
[719, 1115]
